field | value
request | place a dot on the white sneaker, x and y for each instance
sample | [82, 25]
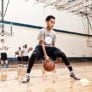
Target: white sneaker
[26, 78]
[72, 74]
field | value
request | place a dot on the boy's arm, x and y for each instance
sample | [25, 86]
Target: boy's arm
[6, 47]
[54, 40]
[1, 48]
[41, 42]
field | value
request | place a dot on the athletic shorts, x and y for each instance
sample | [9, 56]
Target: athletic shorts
[25, 58]
[52, 52]
[3, 56]
[19, 58]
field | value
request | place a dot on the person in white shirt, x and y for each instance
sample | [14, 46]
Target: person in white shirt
[25, 56]
[19, 55]
[3, 52]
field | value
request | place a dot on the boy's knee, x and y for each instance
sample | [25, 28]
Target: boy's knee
[35, 53]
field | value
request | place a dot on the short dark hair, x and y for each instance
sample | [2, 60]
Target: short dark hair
[49, 17]
[2, 40]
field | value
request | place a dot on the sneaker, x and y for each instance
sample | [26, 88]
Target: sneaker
[74, 76]
[7, 65]
[26, 78]
[3, 66]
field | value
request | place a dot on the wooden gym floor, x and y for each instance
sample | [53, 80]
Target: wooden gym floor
[59, 83]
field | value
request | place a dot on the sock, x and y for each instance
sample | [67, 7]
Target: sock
[2, 62]
[6, 62]
[70, 68]
[28, 74]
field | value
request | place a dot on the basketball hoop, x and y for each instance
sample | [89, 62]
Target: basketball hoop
[3, 13]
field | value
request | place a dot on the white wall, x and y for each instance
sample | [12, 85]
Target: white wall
[72, 45]
[33, 13]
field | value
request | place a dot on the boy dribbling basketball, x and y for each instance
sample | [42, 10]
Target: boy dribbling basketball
[46, 49]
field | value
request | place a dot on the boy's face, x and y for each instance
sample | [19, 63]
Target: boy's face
[25, 45]
[2, 41]
[50, 23]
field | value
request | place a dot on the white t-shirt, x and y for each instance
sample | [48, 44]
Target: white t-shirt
[25, 51]
[20, 53]
[49, 37]
[2, 48]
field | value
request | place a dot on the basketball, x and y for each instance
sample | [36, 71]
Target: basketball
[49, 65]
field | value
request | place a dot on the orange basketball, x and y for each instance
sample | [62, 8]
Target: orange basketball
[49, 65]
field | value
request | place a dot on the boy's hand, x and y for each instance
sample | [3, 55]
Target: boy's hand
[47, 58]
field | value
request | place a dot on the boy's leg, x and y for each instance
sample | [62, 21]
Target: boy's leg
[26, 61]
[7, 64]
[59, 53]
[32, 61]
[5, 59]
[2, 63]
[33, 58]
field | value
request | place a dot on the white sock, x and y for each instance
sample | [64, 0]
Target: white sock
[72, 72]
[6, 62]
[2, 62]
[28, 74]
